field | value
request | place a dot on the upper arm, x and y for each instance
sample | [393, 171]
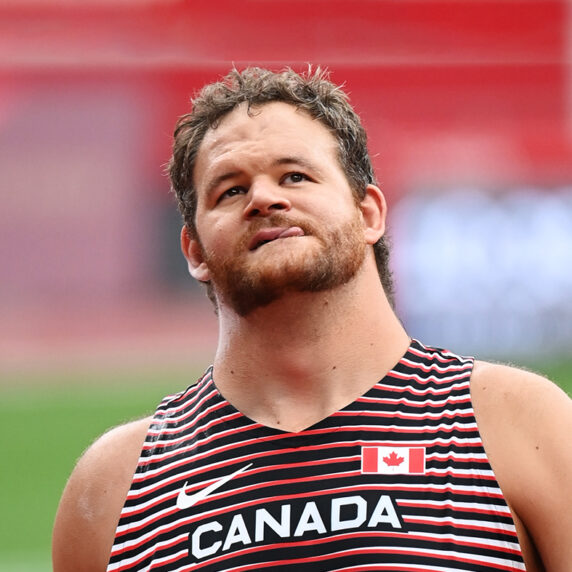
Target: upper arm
[92, 500]
[526, 425]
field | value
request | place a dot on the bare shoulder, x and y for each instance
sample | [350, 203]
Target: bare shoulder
[510, 379]
[93, 498]
[525, 422]
[527, 405]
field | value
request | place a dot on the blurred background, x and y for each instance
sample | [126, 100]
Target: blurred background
[468, 106]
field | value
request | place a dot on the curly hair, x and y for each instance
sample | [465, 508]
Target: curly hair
[312, 92]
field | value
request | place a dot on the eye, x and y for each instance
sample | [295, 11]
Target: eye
[295, 178]
[232, 192]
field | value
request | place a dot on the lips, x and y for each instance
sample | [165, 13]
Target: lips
[269, 234]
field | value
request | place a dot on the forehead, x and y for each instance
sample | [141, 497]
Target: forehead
[262, 131]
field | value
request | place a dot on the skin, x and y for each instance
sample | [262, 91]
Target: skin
[304, 345]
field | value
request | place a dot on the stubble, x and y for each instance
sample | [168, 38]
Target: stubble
[246, 283]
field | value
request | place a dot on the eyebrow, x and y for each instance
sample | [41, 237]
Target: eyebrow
[297, 160]
[218, 180]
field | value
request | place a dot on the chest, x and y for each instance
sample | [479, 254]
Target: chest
[380, 482]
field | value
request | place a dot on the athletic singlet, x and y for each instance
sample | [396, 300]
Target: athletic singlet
[398, 481]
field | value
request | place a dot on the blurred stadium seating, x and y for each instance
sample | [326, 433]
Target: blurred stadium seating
[455, 96]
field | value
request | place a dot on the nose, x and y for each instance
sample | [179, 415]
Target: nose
[265, 197]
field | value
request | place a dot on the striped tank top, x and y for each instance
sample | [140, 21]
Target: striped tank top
[398, 481]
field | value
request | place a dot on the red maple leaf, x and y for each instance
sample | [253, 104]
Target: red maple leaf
[393, 460]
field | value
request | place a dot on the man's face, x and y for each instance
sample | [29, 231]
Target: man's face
[275, 212]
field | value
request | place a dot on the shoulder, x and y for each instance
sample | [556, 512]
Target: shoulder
[525, 422]
[525, 403]
[518, 390]
[93, 498]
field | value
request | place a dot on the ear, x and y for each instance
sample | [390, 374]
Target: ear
[192, 251]
[374, 209]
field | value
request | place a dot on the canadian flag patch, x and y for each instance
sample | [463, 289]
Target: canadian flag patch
[393, 460]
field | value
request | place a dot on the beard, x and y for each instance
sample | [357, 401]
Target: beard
[246, 285]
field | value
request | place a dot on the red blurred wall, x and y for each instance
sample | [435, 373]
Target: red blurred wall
[494, 74]
[451, 93]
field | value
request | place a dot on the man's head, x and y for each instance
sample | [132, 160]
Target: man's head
[311, 92]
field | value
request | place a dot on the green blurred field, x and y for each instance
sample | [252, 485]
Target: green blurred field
[49, 420]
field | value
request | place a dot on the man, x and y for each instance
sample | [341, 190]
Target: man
[323, 437]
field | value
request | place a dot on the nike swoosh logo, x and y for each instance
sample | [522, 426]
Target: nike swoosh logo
[186, 501]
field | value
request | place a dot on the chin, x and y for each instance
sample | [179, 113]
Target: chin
[270, 282]
[254, 280]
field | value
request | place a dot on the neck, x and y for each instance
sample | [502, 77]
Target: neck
[301, 358]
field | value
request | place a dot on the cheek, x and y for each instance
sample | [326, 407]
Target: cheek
[339, 210]
[217, 236]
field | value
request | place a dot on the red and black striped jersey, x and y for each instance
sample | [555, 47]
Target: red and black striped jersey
[397, 480]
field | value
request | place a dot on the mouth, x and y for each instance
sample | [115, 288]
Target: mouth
[267, 235]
